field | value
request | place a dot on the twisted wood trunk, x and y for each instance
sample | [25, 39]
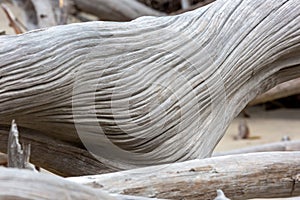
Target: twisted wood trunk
[153, 90]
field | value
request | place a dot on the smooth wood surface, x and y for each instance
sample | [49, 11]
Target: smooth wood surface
[154, 90]
[246, 176]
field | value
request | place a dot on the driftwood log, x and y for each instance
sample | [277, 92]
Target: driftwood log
[154, 90]
[277, 146]
[59, 157]
[24, 184]
[259, 175]
[282, 90]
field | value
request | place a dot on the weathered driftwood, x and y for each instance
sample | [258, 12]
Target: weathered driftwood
[154, 90]
[56, 156]
[13, 22]
[221, 195]
[116, 10]
[282, 90]
[24, 184]
[240, 177]
[278, 146]
[18, 156]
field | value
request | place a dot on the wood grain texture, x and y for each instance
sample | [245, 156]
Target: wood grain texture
[154, 90]
[282, 90]
[58, 157]
[258, 175]
[24, 185]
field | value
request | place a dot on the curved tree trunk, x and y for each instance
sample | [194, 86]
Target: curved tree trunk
[153, 90]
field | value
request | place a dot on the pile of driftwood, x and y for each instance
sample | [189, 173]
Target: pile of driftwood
[244, 175]
[134, 109]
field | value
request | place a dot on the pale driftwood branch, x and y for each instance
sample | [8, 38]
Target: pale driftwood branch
[278, 146]
[221, 195]
[56, 156]
[282, 90]
[13, 22]
[24, 184]
[17, 156]
[28, 13]
[116, 10]
[258, 175]
[154, 90]
[20, 184]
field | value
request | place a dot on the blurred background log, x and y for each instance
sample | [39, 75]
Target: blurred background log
[116, 10]
[278, 146]
[282, 90]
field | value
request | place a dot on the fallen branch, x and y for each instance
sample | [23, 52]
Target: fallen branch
[23, 184]
[13, 22]
[282, 90]
[258, 175]
[278, 146]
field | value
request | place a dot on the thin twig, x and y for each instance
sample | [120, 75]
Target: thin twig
[13, 22]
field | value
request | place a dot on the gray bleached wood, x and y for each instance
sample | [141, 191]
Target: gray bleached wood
[246, 176]
[21, 184]
[56, 156]
[282, 90]
[24, 184]
[18, 157]
[153, 90]
[277, 146]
